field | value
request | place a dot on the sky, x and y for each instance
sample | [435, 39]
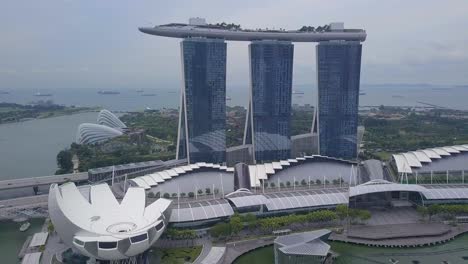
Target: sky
[95, 44]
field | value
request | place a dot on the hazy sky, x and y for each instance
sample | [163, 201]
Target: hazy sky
[96, 43]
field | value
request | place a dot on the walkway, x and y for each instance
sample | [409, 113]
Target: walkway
[214, 256]
[419, 239]
[207, 245]
[236, 249]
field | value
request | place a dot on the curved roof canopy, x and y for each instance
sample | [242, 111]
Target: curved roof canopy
[94, 223]
[107, 118]
[417, 159]
[93, 133]
[156, 178]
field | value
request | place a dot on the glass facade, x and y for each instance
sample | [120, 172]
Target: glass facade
[339, 67]
[202, 124]
[269, 112]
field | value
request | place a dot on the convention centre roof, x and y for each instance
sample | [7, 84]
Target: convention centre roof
[264, 171]
[434, 159]
[200, 210]
[156, 178]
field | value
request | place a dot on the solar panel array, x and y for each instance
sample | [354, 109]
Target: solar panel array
[202, 210]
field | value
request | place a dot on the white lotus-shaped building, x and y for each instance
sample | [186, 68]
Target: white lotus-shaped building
[93, 133]
[94, 223]
[107, 118]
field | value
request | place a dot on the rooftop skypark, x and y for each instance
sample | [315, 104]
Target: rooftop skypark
[197, 27]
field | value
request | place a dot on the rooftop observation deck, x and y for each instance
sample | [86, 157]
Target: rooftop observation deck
[179, 30]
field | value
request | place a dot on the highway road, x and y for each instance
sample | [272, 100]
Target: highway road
[44, 180]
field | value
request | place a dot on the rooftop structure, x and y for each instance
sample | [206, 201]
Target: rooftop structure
[307, 247]
[453, 158]
[336, 31]
[39, 239]
[108, 127]
[32, 258]
[107, 118]
[94, 223]
[93, 133]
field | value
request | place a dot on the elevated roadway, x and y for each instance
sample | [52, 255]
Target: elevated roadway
[44, 180]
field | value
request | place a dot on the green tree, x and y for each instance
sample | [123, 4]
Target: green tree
[221, 230]
[64, 162]
[236, 225]
[342, 211]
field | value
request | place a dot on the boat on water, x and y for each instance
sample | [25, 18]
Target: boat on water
[140, 91]
[4, 92]
[108, 92]
[25, 226]
[228, 98]
[149, 94]
[362, 93]
[42, 94]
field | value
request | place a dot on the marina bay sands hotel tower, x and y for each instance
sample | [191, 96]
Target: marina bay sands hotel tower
[202, 119]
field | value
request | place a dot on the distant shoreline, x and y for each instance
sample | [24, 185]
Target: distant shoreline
[51, 113]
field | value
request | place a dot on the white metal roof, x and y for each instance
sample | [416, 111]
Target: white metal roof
[32, 258]
[402, 164]
[441, 151]
[370, 187]
[103, 215]
[269, 168]
[202, 210]
[307, 243]
[277, 165]
[172, 172]
[39, 239]
[179, 170]
[421, 156]
[261, 174]
[164, 175]
[431, 153]
[156, 177]
[248, 200]
[450, 150]
[149, 180]
[460, 148]
[412, 160]
[284, 163]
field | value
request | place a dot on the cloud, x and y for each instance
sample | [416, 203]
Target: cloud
[92, 44]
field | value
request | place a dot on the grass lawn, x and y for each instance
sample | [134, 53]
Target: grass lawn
[175, 255]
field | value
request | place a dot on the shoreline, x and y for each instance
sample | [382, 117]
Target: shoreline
[91, 110]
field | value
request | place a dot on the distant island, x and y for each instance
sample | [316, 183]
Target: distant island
[11, 112]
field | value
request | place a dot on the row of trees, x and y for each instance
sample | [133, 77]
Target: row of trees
[237, 222]
[207, 191]
[313, 29]
[446, 211]
[304, 183]
[181, 233]
[353, 215]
